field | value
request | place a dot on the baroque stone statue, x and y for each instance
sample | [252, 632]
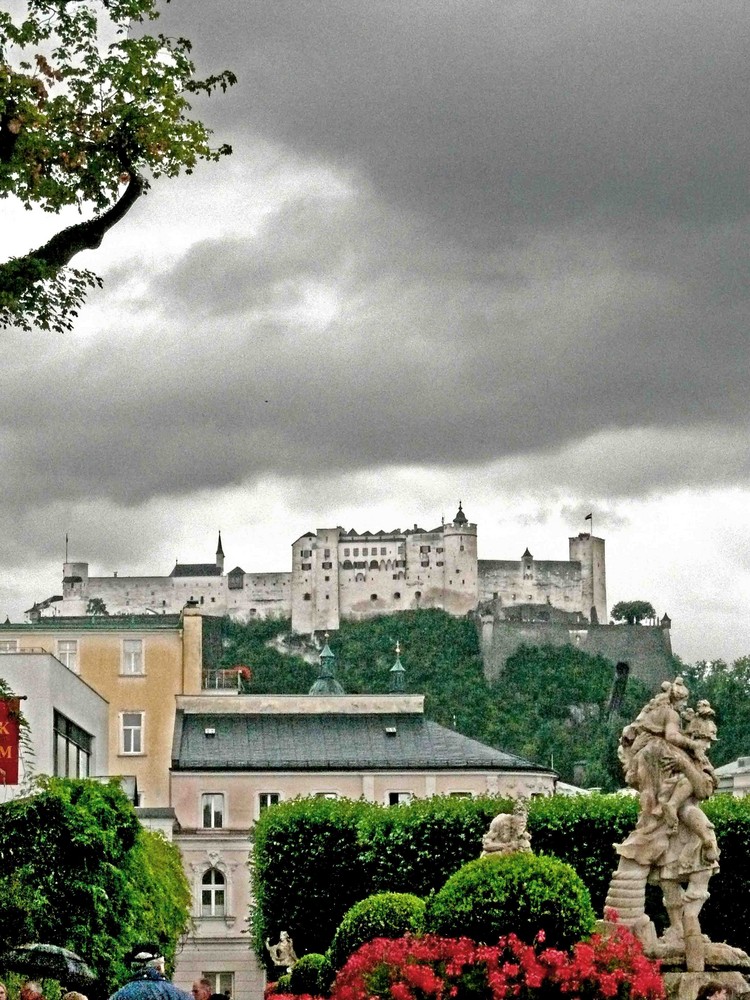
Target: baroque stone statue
[664, 753]
[282, 953]
[507, 833]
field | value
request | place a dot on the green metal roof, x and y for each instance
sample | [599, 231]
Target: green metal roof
[239, 742]
[96, 623]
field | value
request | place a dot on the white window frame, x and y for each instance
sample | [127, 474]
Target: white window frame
[208, 800]
[215, 978]
[131, 729]
[260, 805]
[128, 658]
[326, 795]
[404, 797]
[8, 645]
[213, 888]
[64, 655]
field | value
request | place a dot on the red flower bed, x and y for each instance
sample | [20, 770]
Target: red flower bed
[419, 968]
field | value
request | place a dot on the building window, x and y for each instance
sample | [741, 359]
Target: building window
[326, 553]
[213, 894]
[132, 657]
[266, 799]
[373, 597]
[67, 653]
[460, 795]
[8, 645]
[347, 552]
[400, 798]
[132, 732]
[305, 597]
[356, 552]
[72, 749]
[212, 809]
[306, 565]
[397, 595]
[327, 565]
[326, 795]
[221, 982]
[306, 553]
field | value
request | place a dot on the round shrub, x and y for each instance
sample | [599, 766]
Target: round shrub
[284, 983]
[384, 915]
[494, 896]
[312, 974]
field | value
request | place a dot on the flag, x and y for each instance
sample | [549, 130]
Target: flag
[588, 517]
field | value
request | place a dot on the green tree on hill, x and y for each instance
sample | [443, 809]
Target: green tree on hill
[633, 612]
[551, 704]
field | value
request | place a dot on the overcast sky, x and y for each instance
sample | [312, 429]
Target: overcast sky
[464, 249]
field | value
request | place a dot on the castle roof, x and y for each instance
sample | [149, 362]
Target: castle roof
[196, 569]
[460, 517]
[331, 742]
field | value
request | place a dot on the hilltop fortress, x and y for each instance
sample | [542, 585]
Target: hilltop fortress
[338, 574]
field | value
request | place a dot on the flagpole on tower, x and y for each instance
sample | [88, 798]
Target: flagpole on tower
[66, 546]
[590, 517]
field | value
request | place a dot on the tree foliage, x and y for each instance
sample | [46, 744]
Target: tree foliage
[727, 687]
[77, 870]
[85, 123]
[633, 612]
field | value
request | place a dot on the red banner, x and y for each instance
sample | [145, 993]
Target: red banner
[9, 709]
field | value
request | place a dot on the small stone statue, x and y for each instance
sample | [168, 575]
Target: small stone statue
[507, 833]
[282, 953]
[664, 754]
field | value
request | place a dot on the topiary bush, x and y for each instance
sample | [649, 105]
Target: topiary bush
[312, 974]
[384, 915]
[520, 893]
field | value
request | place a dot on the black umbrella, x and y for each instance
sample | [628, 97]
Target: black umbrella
[49, 961]
[150, 985]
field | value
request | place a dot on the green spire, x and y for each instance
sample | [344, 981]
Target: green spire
[326, 682]
[397, 672]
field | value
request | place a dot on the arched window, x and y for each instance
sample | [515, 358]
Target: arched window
[213, 894]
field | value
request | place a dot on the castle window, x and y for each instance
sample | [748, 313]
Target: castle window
[397, 595]
[327, 578]
[347, 564]
[327, 565]
[373, 597]
[306, 565]
[424, 548]
[356, 552]
[461, 548]
[306, 597]
[326, 553]
[364, 551]
[417, 594]
[374, 564]
[439, 563]
[347, 552]
[306, 553]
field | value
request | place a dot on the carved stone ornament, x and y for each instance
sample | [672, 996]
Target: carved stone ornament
[664, 753]
[282, 953]
[507, 833]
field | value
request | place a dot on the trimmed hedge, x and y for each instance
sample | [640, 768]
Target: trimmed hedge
[521, 893]
[384, 915]
[312, 974]
[315, 858]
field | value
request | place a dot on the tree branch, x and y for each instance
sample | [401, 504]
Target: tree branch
[60, 250]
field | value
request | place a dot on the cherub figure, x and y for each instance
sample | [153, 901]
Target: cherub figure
[507, 833]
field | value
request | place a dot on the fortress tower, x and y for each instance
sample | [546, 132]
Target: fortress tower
[589, 552]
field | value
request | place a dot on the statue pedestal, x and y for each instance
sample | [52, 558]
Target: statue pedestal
[685, 985]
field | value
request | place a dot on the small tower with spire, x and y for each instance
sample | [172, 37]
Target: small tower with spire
[326, 683]
[397, 673]
[220, 555]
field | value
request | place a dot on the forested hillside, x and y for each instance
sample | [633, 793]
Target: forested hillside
[551, 704]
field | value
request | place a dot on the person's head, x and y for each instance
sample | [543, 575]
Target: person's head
[31, 991]
[714, 991]
[202, 989]
[3, 991]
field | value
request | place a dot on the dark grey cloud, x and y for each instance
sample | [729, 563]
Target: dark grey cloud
[487, 118]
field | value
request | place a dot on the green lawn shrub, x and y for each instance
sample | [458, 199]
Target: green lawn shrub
[312, 974]
[383, 915]
[520, 893]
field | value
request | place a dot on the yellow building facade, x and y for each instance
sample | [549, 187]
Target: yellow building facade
[139, 664]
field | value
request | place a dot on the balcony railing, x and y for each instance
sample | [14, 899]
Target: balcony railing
[221, 680]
